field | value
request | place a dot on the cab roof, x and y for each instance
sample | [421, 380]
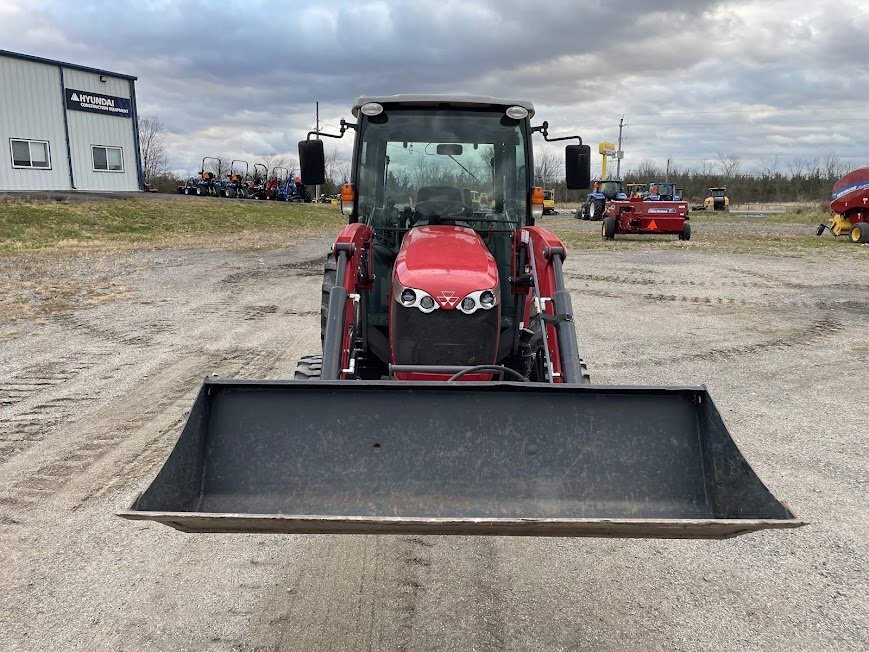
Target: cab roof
[453, 101]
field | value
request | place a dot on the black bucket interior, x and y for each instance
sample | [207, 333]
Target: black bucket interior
[457, 451]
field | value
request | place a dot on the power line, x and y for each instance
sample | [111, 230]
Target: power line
[828, 107]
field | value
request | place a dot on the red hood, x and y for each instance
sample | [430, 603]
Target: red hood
[448, 262]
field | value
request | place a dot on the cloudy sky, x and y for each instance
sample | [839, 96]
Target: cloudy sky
[772, 81]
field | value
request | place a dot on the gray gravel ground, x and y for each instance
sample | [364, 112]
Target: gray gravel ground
[92, 397]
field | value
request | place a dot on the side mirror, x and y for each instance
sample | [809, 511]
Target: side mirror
[577, 166]
[313, 162]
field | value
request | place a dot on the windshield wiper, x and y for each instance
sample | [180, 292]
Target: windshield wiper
[464, 168]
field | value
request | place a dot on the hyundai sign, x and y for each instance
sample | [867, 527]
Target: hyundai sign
[98, 103]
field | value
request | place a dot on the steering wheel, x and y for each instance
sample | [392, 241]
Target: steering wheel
[439, 209]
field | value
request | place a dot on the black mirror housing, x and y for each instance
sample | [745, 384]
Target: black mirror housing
[577, 166]
[313, 162]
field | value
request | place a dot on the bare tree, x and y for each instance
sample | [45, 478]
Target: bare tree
[648, 171]
[152, 142]
[337, 168]
[546, 163]
[833, 167]
[729, 164]
[272, 161]
[797, 167]
[769, 166]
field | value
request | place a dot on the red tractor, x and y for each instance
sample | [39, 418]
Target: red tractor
[651, 215]
[850, 207]
[450, 396]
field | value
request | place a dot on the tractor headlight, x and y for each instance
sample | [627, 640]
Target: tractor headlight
[479, 300]
[408, 298]
[413, 298]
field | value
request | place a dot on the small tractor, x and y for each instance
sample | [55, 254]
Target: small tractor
[850, 207]
[595, 202]
[450, 396]
[717, 200]
[206, 184]
[279, 178]
[256, 187]
[636, 189]
[549, 202]
[295, 191]
[650, 216]
[235, 185]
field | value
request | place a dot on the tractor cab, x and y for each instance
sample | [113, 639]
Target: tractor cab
[611, 189]
[717, 199]
[661, 191]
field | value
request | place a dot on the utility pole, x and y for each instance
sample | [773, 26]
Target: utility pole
[317, 188]
[622, 125]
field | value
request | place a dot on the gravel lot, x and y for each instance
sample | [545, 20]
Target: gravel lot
[101, 359]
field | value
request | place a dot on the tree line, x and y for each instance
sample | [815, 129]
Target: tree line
[794, 180]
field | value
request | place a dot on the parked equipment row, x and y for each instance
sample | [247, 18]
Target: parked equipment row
[246, 182]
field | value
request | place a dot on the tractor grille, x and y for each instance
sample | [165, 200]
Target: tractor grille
[444, 337]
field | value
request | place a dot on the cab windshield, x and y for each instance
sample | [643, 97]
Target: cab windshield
[610, 189]
[426, 166]
[665, 189]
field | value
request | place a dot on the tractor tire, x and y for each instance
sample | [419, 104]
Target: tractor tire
[199, 192]
[595, 209]
[585, 213]
[608, 228]
[186, 191]
[686, 232]
[330, 280]
[859, 233]
[310, 367]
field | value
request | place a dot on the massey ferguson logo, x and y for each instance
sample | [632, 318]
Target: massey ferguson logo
[448, 298]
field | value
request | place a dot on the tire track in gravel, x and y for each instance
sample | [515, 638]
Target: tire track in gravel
[818, 329]
[149, 406]
[640, 278]
[37, 413]
[340, 593]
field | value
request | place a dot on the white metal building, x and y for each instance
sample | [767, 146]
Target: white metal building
[66, 127]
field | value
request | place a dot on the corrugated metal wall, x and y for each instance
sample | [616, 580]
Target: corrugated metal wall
[31, 107]
[88, 129]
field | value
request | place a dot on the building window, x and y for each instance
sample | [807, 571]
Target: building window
[30, 154]
[108, 159]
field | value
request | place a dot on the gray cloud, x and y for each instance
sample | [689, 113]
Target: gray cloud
[759, 78]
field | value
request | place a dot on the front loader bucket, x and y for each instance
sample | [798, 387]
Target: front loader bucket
[458, 458]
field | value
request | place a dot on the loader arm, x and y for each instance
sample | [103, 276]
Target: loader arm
[345, 302]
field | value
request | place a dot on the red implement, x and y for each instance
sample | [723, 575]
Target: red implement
[639, 217]
[851, 194]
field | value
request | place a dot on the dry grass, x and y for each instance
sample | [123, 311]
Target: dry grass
[29, 226]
